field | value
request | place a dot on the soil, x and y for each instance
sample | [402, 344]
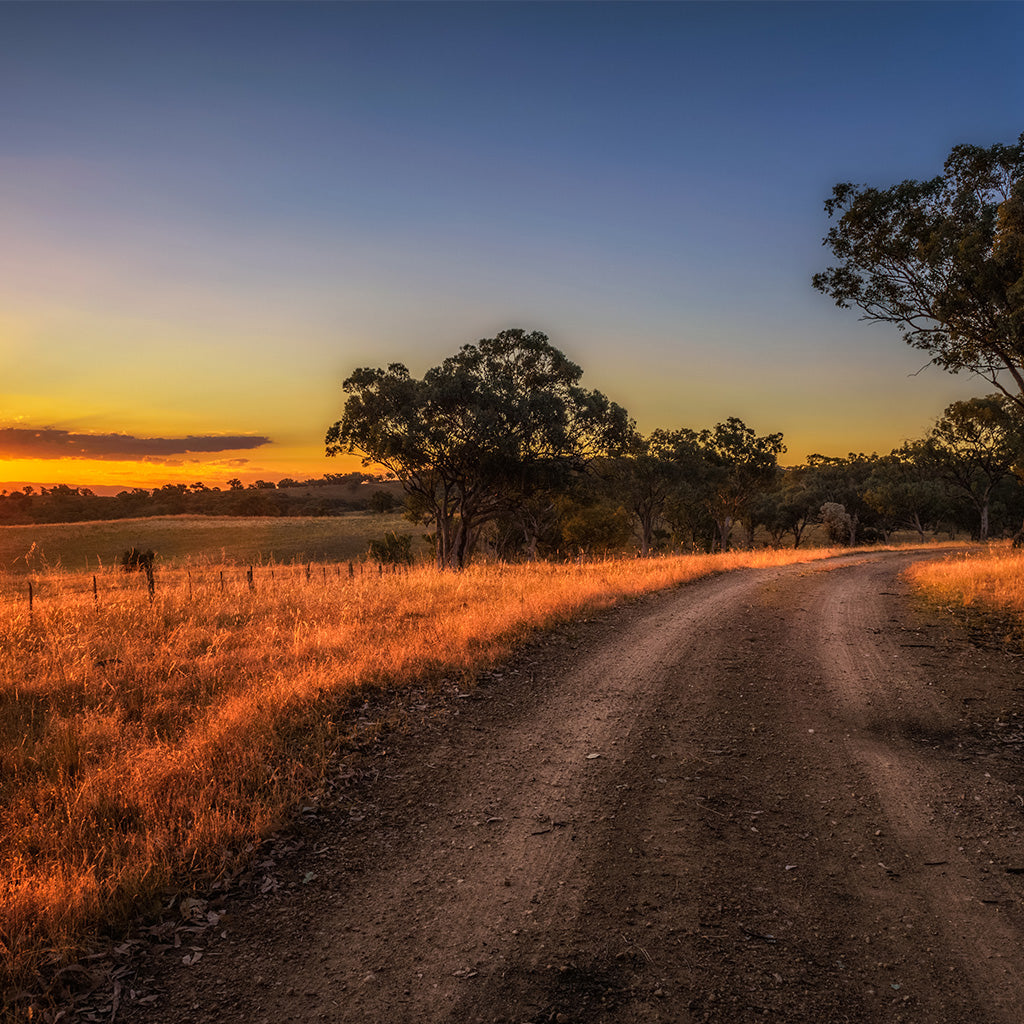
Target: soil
[791, 794]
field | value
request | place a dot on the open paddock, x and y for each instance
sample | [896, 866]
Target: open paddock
[197, 540]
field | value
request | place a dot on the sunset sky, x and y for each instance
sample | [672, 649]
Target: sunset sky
[212, 213]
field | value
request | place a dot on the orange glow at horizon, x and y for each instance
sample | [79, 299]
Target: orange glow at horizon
[107, 475]
[126, 474]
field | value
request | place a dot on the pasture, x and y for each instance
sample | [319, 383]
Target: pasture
[196, 540]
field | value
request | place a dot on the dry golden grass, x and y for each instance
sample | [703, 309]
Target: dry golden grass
[140, 741]
[989, 579]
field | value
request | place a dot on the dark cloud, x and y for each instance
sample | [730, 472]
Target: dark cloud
[48, 443]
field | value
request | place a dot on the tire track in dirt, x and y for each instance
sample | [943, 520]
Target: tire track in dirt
[758, 838]
[891, 708]
[488, 898]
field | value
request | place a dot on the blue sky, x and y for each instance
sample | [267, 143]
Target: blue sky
[214, 212]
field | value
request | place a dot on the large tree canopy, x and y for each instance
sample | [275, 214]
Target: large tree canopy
[941, 259]
[479, 433]
[974, 445]
[651, 476]
[741, 463]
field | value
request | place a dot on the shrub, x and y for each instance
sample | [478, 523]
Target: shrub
[383, 501]
[392, 549]
[134, 560]
[836, 520]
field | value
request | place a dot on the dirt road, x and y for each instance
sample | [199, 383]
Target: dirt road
[786, 794]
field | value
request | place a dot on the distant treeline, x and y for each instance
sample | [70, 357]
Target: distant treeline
[330, 495]
[501, 452]
[692, 490]
[680, 492]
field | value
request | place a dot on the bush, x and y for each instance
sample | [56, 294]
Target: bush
[392, 549]
[136, 560]
[383, 501]
[836, 520]
[597, 527]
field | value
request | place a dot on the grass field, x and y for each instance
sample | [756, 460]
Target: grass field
[141, 742]
[182, 540]
[989, 581]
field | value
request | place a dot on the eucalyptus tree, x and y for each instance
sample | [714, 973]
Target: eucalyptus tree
[479, 434]
[942, 259]
[974, 446]
[904, 490]
[741, 463]
[654, 473]
[843, 481]
[789, 506]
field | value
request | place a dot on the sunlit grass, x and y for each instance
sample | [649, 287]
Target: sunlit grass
[141, 741]
[989, 579]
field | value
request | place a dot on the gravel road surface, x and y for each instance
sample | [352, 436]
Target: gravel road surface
[790, 794]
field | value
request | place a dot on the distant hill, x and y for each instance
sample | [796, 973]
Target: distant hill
[327, 496]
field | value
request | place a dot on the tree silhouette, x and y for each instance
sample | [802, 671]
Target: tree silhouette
[477, 433]
[943, 260]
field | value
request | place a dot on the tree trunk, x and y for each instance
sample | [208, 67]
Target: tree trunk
[445, 541]
[724, 529]
[462, 544]
[918, 526]
[530, 540]
[440, 547]
[646, 529]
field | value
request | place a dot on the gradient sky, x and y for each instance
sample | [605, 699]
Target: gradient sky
[212, 213]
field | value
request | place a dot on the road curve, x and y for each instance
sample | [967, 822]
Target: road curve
[783, 794]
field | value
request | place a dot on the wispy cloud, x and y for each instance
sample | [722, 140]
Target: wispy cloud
[50, 443]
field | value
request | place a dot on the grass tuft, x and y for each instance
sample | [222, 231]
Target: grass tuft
[986, 584]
